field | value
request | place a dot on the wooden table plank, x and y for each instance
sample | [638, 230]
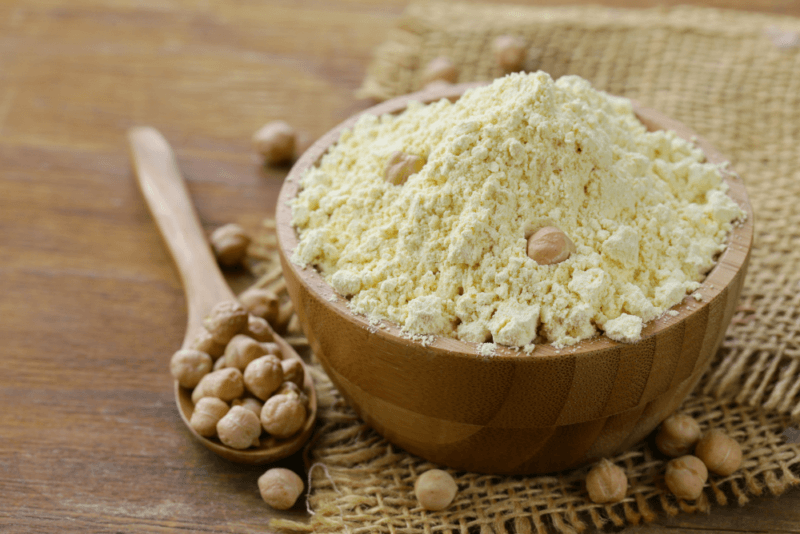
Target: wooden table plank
[90, 302]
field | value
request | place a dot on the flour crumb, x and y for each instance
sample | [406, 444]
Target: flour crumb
[423, 340]
[486, 349]
[625, 328]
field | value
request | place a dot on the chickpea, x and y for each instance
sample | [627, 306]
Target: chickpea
[721, 453]
[606, 482]
[207, 413]
[261, 303]
[239, 428]
[435, 489]
[274, 349]
[225, 321]
[440, 68]
[437, 85]
[293, 390]
[230, 243]
[280, 488]
[400, 166]
[219, 364]
[283, 415]
[293, 371]
[188, 366]
[204, 342]
[259, 329]
[686, 476]
[509, 52]
[263, 376]
[251, 403]
[678, 435]
[242, 350]
[550, 245]
[275, 141]
[225, 384]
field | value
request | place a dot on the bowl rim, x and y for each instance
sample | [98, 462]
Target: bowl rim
[729, 262]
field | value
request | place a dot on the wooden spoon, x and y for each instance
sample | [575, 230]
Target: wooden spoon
[168, 199]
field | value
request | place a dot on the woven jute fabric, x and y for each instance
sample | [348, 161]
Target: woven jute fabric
[735, 79]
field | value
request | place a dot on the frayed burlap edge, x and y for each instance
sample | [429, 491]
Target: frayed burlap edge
[735, 78]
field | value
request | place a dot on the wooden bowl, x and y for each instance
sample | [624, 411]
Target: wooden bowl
[514, 413]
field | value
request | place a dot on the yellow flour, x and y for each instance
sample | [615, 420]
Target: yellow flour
[445, 253]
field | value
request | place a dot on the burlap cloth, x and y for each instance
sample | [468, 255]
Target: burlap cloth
[734, 78]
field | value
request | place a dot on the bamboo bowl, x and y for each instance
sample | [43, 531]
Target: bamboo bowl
[514, 413]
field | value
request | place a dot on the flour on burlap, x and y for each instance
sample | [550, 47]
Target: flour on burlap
[445, 253]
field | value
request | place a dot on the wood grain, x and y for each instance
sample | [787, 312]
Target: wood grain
[90, 301]
[513, 413]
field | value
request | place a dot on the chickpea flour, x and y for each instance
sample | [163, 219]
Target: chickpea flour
[444, 252]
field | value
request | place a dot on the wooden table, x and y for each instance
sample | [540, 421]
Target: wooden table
[91, 307]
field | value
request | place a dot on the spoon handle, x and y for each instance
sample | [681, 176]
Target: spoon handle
[166, 195]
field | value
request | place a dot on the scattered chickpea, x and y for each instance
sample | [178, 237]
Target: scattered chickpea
[207, 413]
[686, 476]
[275, 141]
[251, 403]
[440, 68]
[263, 376]
[283, 415]
[204, 342]
[225, 320]
[225, 384]
[230, 244]
[678, 435]
[239, 428]
[188, 366]
[219, 364]
[261, 303]
[242, 350]
[550, 245]
[509, 52]
[293, 371]
[400, 166]
[720, 452]
[606, 482]
[435, 489]
[280, 488]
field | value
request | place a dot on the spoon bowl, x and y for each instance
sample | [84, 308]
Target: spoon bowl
[168, 199]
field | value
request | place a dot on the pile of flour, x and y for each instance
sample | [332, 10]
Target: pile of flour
[445, 253]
